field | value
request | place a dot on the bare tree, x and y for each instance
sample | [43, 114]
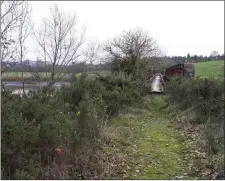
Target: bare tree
[91, 53]
[59, 42]
[24, 29]
[130, 47]
[10, 13]
[214, 55]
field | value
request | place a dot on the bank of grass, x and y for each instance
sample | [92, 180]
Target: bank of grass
[210, 68]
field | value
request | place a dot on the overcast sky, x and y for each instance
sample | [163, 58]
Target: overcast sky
[178, 27]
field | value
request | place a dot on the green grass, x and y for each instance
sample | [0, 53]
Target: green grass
[149, 145]
[16, 76]
[210, 69]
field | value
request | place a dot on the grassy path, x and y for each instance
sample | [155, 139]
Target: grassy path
[146, 145]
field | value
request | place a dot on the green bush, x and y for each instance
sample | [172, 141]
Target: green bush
[115, 90]
[69, 119]
[34, 126]
[203, 95]
[32, 130]
[120, 91]
[202, 100]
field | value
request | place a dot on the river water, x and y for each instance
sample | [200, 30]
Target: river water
[17, 86]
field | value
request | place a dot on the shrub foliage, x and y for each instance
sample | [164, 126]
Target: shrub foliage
[51, 134]
[202, 99]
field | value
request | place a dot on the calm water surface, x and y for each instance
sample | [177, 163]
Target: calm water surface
[17, 87]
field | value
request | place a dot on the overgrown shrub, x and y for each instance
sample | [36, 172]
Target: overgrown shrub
[50, 134]
[32, 130]
[203, 95]
[116, 91]
[202, 100]
[38, 136]
[120, 91]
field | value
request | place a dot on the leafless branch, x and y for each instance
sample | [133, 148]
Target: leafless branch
[135, 42]
[11, 13]
[24, 30]
[59, 41]
[90, 55]
[131, 47]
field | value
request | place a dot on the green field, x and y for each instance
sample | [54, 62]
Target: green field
[210, 69]
[16, 76]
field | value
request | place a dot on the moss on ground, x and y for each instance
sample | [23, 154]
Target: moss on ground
[150, 145]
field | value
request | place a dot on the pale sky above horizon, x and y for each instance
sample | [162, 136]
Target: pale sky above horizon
[178, 27]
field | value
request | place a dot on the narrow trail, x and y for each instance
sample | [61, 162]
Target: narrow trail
[146, 145]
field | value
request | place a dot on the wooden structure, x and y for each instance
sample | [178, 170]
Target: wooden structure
[180, 70]
[157, 80]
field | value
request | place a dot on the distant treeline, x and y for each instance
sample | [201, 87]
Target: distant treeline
[163, 62]
[195, 58]
[75, 68]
